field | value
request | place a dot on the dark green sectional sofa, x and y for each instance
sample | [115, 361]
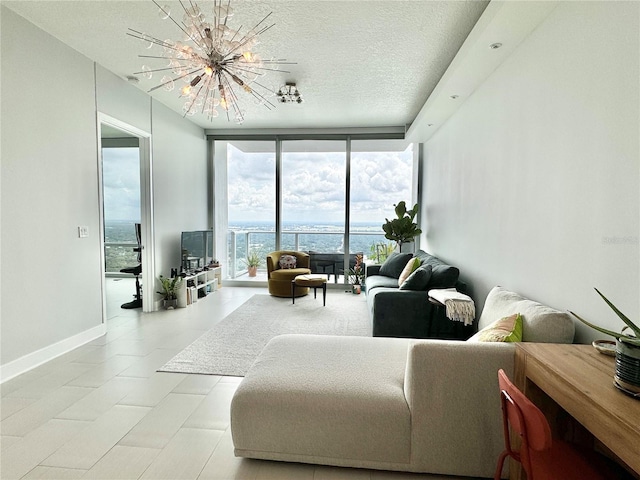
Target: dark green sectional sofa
[407, 313]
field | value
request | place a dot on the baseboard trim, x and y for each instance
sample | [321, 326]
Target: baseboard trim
[37, 358]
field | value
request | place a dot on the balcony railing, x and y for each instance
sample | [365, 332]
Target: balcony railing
[241, 242]
[119, 255]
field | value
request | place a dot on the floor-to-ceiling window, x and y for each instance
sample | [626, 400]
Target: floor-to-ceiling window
[381, 176]
[251, 202]
[313, 195]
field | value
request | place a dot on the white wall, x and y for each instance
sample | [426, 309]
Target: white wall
[50, 279]
[534, 183]
[180, 183]
[51, 287]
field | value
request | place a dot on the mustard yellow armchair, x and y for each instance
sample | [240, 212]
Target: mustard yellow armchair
[279, 279]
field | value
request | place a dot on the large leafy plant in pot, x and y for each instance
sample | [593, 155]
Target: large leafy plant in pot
[627, 375]
[402, 229]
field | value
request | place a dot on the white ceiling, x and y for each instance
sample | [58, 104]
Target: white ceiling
[359, 63]
[365, 65]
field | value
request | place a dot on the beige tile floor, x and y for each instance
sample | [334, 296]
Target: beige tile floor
[103, 412]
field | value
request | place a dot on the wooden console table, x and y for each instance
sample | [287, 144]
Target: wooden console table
[580, 380]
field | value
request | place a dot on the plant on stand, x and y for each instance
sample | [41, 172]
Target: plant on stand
[170, 288]
[380, 251]
[253, 261]
[402, 229]
[356, 274]
[627, 374]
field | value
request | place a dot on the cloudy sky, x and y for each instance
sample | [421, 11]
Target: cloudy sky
[313, 185]
[121, 180]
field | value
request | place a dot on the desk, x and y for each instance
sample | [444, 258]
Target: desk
[580, 380]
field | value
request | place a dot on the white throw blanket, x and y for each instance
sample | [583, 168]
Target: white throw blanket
[459, 307]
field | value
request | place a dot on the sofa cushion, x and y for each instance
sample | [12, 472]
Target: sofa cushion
[394, 264]
[507, 329]
[442, 275]
[418, 280]
[409, 268]
[539, 322]
[376, 281]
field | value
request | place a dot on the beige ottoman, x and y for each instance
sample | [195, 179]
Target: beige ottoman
[310, 281]
[325, 400]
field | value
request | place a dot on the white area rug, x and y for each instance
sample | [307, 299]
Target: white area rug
[232, 345]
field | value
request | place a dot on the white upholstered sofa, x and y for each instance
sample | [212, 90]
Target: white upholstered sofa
[386, 403]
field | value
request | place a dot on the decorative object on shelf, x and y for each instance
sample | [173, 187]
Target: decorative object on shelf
[402, 229]
[289, 93]
[627, 374]
[215, 60]
[170, 288]
[214, 263]
[253, 261]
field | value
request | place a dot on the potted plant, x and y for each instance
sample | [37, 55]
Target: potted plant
[627, 374]
[356, 274]
[381, 250]
[170, 288]
[402, 229]
[253, 261]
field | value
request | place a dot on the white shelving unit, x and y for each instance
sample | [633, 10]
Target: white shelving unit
[199, 285]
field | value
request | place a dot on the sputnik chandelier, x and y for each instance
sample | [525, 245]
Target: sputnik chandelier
[213, 60]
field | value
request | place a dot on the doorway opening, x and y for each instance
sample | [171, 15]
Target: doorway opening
[125, 197]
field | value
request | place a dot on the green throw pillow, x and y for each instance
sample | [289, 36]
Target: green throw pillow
[394, 264]
[418, 280]
[411, 267]
[507, 329]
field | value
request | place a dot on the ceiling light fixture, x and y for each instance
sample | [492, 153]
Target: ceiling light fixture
[289, 93]
[213, 60]
[495, 46]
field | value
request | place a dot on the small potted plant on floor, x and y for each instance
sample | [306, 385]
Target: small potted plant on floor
[170, 288]
[627, 374]
[253, 261]
[356, 275]
[402, 229]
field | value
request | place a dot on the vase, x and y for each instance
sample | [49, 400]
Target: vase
[627, 376]
[356, 289]
[253, 271]
[407, 247]
[170, 303]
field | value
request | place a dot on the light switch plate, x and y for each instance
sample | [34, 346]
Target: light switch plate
[83, 232]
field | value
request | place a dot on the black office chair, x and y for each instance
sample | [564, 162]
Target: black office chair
[137, 271]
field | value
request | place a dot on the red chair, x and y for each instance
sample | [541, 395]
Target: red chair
[541, 457]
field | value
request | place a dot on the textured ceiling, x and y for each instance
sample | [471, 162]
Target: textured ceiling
[359, 63]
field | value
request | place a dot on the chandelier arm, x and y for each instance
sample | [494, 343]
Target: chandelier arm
[207, 93]
[234, 97]
[193, 24]
[173, 80]
[148, 38]
[154, 70]
[172, 19]
[244, 40]
[266, 100]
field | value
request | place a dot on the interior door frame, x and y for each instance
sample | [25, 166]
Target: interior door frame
[146, 210]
